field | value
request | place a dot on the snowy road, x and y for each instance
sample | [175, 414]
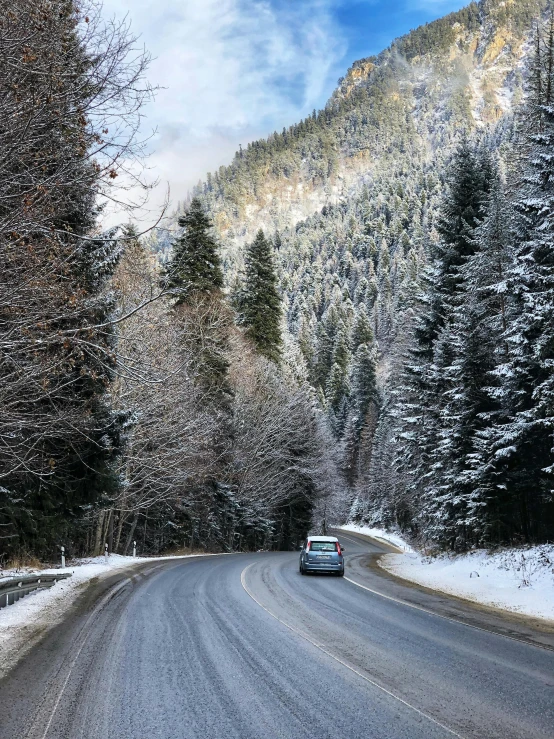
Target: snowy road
[243, 647]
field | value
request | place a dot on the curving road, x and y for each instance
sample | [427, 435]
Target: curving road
[242, 646]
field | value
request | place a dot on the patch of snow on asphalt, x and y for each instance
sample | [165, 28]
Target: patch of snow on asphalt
[520, 580]
[25, 620]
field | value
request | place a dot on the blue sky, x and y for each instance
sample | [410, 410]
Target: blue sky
[370, 25]
[236, 70]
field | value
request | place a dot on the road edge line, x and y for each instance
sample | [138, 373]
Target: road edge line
[449, 618]
[406, 582]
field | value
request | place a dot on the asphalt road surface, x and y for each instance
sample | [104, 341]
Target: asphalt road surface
[243, 647]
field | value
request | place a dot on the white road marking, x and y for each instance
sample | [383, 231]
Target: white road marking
[338, 659]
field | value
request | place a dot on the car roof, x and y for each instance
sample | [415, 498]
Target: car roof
[322, 538]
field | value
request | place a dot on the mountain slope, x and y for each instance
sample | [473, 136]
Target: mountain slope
[351, 195]
[462, 70]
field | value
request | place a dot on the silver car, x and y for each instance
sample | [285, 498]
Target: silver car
[322, 554]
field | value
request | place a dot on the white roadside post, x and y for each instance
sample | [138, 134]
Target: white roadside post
[106, 552]
[134, 549]
[63, 558]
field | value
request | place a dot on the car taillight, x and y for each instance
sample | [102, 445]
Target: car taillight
[308, 546]
[338, 548]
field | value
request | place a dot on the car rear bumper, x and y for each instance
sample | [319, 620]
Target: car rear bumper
[323, 567]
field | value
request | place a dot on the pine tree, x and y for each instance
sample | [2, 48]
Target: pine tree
[461, 502]
[524, 444]
[336, 396]
[484, 324]
[195, 276]
[260, 303]
[432, 373]
[363, 382]
[462, 208]
[341, 351]
[195, 264]
[362, 333]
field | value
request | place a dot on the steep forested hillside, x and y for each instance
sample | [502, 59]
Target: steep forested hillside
[356, 199]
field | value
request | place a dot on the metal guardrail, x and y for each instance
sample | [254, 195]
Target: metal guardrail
[17, 587]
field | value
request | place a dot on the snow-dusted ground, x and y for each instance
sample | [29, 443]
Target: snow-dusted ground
[520, 580]
[23, 622]
[381, 534]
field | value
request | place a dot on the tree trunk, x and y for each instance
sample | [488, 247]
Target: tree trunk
[99, 531]
[122, 519]
[109, 538]
[131, 534]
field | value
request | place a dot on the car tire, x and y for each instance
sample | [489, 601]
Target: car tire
[302, 570]
[340, 574]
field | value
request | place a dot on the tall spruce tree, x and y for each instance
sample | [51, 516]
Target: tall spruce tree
[524, 444]
[194, 273]
[195, 264]
[483, 322]
[461, 505]
[433, 370]
[363, 383]
[469, 180]
[260, 302]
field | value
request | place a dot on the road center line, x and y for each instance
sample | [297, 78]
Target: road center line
[338, 659]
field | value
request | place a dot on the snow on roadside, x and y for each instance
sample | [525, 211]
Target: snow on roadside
[381, 534]
[23, 622]
[517, 580]
[520, 580]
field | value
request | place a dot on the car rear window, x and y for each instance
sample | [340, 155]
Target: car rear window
[323, 546]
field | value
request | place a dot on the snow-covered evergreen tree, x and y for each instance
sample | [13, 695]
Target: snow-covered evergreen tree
[523, 446]
[194, 264]
[259, 302]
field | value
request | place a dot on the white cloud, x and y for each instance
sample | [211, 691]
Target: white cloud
[232, 70]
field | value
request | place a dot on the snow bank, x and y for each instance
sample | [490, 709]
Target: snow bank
[22, 623]
[517, 580]
[520, 580]
[381, 534]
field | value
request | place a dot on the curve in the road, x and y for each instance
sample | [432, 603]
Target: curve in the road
[186, 652]
[514, 626]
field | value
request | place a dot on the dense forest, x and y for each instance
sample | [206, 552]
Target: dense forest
[354, 319]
